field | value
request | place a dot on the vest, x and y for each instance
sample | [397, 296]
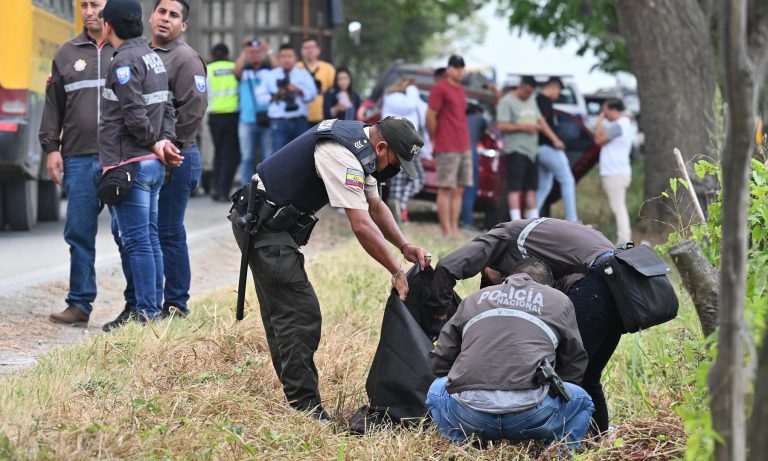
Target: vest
[222, 87]
[289, 175]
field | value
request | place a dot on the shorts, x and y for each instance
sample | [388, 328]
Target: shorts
[522, 173]
[454, 169]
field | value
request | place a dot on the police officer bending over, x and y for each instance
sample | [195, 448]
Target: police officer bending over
[574, 252]
[494, 361]
[336, 162]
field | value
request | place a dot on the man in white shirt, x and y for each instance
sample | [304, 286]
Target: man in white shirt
[614, 132]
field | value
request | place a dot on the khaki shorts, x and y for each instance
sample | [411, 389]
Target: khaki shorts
[454, 169]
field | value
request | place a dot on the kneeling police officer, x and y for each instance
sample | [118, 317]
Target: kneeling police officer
[340, 163]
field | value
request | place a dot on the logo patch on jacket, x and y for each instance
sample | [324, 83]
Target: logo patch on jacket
[355, 178]
[80, 65]
[326, 125]
[200, 83]
[123, 74]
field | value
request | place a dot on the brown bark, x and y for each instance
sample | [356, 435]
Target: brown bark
[726, 377]
[671, 54]
[700, 279]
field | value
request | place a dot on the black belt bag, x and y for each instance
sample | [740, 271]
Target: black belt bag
[116, 183]
[297, 223]
[638, 281]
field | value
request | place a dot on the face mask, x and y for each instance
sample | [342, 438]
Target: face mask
[388, 172]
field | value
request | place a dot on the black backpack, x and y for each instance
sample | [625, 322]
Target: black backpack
[638, 281]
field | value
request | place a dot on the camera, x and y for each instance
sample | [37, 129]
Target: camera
[289, 97]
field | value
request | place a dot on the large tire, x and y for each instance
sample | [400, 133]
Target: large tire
[48, 201]
[2, 208]
[21, 204]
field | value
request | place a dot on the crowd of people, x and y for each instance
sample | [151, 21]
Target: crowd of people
[290, 126]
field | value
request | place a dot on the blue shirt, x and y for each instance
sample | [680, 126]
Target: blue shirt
[298, 77]
[254, 95]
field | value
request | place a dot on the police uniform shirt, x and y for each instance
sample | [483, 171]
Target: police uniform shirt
[343, 176]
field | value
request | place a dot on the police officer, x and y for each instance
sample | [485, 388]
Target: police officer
[68, 136]
[187, 86]
[223, 117]
[575, 253]
[337, 162]
[136, 134]
[487, 357]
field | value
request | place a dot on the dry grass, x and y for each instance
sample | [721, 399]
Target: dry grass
[205, 388]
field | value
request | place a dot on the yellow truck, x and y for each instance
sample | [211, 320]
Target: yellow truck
[30, 31]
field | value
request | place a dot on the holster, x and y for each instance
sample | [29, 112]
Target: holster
[296, 223]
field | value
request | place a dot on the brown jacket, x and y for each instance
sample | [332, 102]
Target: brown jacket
[501, 333]
[72, 104]
[187, 82]
[136, 105]
[566, 247]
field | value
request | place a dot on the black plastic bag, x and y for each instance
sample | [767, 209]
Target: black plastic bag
[400, 374]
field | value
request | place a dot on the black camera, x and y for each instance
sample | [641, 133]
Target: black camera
[289, 97]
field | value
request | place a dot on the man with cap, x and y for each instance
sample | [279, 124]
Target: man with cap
[136, 134]
[449, 131]
[337, 162]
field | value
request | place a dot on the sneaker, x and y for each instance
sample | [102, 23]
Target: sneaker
[128, 315]
[173, 311]
[72, 316]
[314, 411]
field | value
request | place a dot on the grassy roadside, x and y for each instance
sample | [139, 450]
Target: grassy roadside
[205, 388]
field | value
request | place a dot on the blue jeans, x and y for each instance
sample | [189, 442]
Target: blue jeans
[553, 165]
[82, 174]
[252, 136]
[552, 419]
[137, 217]
[285, 130]
[470, 194]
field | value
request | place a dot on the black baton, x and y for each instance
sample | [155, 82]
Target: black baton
[246, 222]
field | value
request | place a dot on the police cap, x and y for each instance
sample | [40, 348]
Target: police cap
[402, 138]
[121, 11]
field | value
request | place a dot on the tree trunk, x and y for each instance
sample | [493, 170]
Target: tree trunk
[726, 377]
[671, 54]
[700, 279]
[758, 442]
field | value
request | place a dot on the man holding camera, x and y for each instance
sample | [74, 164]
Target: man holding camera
[292, 88]
[493, 361]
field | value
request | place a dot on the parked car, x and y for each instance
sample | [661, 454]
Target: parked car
[595, 105]
[571, 100]
[581, 149]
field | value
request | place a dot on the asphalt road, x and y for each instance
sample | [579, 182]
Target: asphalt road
[41, 255]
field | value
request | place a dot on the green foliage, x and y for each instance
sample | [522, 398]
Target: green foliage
[395, 29]
[591, 23]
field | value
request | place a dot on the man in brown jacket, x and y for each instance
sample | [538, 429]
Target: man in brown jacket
[487, 357]
[68, 135]
[575, 253]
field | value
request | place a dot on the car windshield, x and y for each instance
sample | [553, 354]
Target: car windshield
[567, 96]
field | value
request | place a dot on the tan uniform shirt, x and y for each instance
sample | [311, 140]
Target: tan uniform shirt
[344, 179]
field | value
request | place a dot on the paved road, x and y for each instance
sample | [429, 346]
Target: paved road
[41, 255]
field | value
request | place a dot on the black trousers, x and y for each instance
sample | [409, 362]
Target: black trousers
[601, 329]
[290, 312]
[226, 147]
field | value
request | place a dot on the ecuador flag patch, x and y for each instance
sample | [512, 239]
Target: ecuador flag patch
[354, 178]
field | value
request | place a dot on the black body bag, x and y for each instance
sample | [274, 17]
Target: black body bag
[638, 281]
[400, 374]
[116, 183]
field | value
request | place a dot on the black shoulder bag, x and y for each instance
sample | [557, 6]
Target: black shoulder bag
[638, 281]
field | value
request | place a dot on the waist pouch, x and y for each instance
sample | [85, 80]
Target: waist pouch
[116, 183]
[296, 223]
[638, 281]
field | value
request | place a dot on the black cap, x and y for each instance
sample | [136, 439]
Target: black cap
[402, 138]
[455, 61]
[554, 81]
[116, 11]
[220, 49]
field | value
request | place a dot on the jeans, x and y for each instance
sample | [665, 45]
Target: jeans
[285, 130]
[601, 329]
[553, 165]
[470, 193]
[82, 174]
[137, 217]
[251, 136]
[552, 419]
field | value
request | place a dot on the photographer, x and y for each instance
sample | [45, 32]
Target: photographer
[492, 361]
[291, 88]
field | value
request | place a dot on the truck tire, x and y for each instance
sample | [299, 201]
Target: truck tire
[21, 204]
[48, 201]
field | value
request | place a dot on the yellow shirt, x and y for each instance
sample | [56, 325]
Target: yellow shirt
[324, 72]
